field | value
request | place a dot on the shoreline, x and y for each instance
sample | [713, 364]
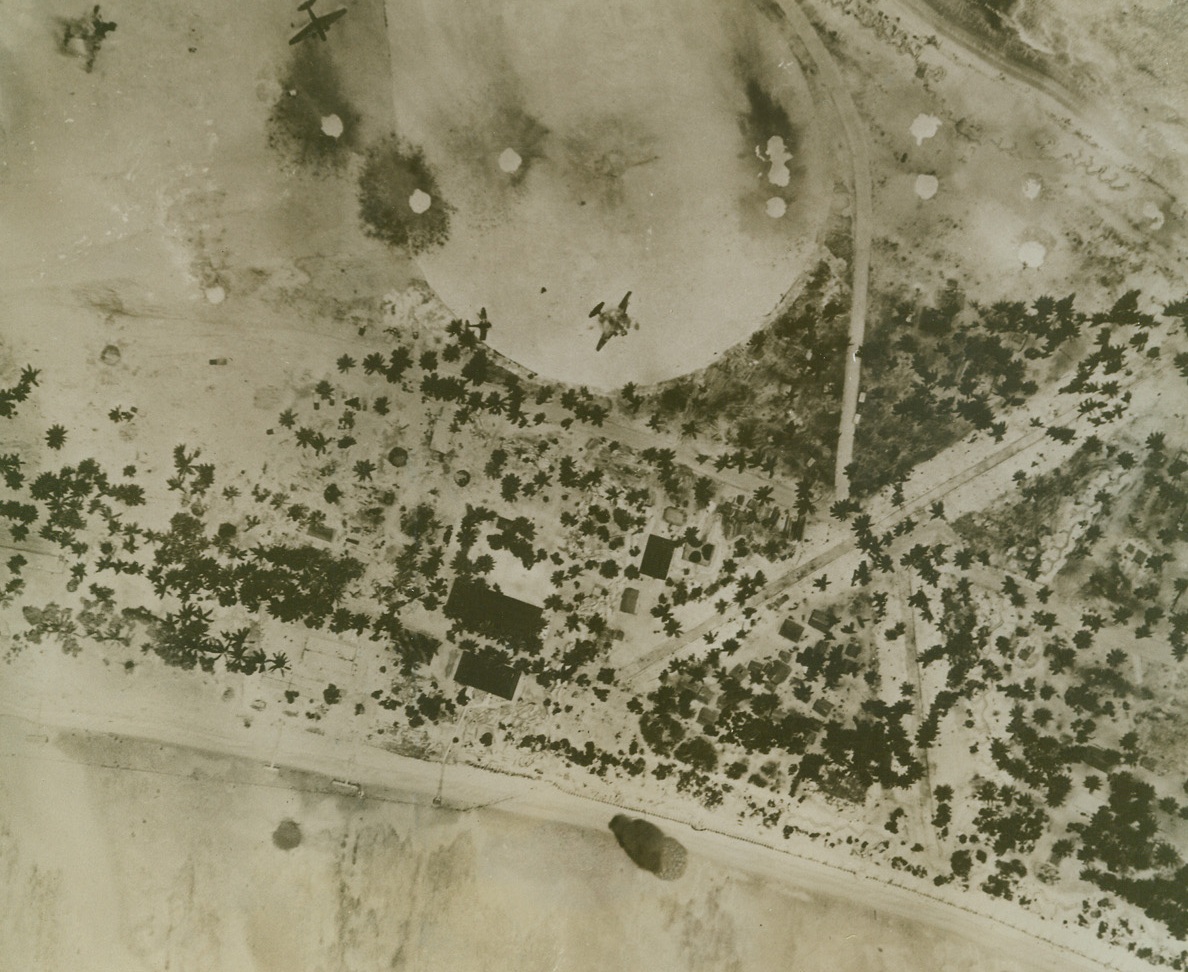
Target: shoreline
[389, 777]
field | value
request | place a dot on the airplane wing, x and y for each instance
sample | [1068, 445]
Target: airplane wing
[304, 32]
[623, 302]
[598, 309]
[329, 18]
[602, 342]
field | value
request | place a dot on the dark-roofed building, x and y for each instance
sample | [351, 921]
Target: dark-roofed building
[822, 620]
[630, 600]
[657, 557]
[778, 672]
[1096, 756]
[321, 531]
[481, 609]
[487, 676]
[792, 630]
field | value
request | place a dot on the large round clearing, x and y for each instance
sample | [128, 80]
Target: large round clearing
[647, 138]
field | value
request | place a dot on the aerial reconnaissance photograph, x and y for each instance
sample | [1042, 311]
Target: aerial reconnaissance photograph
[562, 485]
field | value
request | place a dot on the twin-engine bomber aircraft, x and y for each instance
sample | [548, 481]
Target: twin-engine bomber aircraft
[614, 322]
[317, 25]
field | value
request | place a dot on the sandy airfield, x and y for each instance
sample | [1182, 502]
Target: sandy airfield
[643, 166]
[170, 863]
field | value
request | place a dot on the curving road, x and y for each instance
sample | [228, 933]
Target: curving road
[1076, 107]
[861, 217]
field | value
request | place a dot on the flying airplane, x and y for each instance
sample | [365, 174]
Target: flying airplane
[317, 25]
[615, 321]
[483, 325]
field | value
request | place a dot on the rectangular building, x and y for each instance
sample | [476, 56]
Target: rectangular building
[491, 612]
[792, 630]
[487, 676]
[657, 557]
[630, 600]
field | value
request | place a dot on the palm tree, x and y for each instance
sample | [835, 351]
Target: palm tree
[1180, 584]
[345, 363]
[183, 461]
[279, 662]
[55, 437]
[399, 361]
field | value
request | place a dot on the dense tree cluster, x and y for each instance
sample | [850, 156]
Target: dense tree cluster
[774, 402]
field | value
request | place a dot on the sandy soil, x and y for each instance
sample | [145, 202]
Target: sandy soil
[177, 843]
[635, 174]
[168, 862]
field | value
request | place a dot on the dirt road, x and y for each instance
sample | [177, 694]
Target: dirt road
[862, 214]
[184, 715]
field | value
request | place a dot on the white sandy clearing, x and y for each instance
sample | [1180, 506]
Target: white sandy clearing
[640, 184]
[332, 126]
[215, 295]
[779, 156]
[1154, 214]
[924, 126]
[1032, 254]
[1032, 187]
[776, 207]
[510, 161]
[926, 185]
[420, 201]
